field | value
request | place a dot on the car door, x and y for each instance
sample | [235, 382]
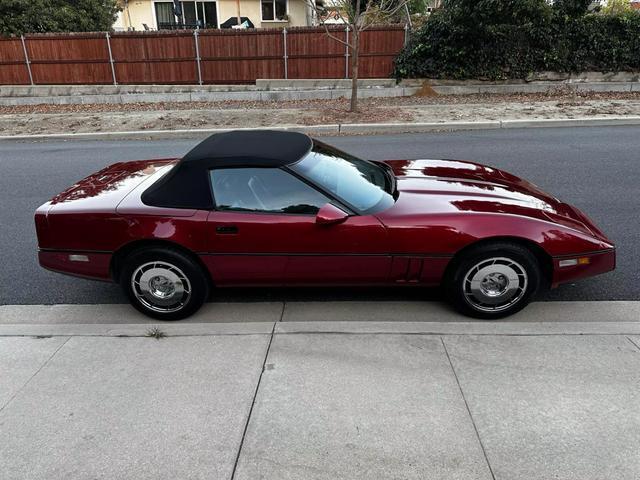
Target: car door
[353, 252]
[263, 231]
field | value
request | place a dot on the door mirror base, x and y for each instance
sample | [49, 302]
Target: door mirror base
[330, 215]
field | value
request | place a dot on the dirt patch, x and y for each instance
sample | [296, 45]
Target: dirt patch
[560, 95]
[42, 119]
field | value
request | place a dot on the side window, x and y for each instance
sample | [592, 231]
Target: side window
[264, 190]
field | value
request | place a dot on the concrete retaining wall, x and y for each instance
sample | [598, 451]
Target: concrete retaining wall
[535, 87]
[260, 85]
[251, 95]
[325, 89]
[540, 82]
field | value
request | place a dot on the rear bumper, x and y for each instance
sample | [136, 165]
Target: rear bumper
[92, 265]
[599, 262]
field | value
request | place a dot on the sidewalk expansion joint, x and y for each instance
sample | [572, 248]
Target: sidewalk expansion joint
[633, 343]
[466, 404]
[253, 402]
[44, 364]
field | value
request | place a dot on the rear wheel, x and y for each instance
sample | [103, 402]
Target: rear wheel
[164, 283]
[493, 280]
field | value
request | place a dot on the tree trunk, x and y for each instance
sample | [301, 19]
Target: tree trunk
[355, 50]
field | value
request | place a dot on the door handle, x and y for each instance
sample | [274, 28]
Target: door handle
[226, 229]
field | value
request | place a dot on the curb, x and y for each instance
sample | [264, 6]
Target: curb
[345, 327]
[342, 129]
[432, 318]
[333, 129]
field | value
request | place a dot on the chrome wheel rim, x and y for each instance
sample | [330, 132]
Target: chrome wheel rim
[495, 284]
[161, 287]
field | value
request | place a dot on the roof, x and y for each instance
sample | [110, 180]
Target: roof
[187, 185]
[264, 147]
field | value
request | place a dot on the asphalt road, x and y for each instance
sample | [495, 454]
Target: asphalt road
[595, 168]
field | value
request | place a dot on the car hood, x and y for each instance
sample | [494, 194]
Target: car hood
[450, 186]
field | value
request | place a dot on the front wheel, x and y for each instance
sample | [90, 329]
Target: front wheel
[494, 280]
[164, 283]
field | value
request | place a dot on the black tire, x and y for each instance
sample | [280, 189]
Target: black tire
[514, 275]
[179, 283]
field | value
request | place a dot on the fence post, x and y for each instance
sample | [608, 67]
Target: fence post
[346, 53]
[113, 68]
[406, 34]
[26, 59]
[285, 56]
[195, 39]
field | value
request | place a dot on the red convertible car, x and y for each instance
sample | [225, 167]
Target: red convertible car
[267, 208]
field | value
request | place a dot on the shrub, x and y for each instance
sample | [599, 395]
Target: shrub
[502, 39]
[35, 16]
[571, 8]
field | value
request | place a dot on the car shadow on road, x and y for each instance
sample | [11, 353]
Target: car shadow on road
[328, 294]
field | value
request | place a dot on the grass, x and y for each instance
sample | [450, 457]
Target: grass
[156, 333]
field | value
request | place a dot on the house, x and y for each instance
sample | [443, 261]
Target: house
[160, 14]
[635, 4]
[330, 12]
[598, 4]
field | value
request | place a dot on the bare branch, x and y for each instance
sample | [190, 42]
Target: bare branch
[359, 17]
[344, 19]
[318, 13]
[374, 13]
[326, 29]
[382, 12]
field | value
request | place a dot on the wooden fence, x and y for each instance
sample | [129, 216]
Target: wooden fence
[194, 56]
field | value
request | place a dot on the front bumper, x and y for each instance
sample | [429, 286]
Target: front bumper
[599, 262]
[92, 265]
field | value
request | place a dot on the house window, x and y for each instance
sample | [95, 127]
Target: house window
[199, 14]
[164, 14]
[274, 10]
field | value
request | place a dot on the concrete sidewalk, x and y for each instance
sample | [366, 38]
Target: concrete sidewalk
[569, 317]
[321, 406]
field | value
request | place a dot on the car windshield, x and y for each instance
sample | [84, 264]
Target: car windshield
[363, 185]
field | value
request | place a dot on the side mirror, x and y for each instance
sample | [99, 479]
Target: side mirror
[330, 215]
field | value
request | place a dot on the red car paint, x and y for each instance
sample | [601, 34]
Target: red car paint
[442, 207]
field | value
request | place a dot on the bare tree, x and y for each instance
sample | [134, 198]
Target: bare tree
[357, 16]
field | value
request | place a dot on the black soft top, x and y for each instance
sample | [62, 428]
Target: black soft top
[187, 184]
